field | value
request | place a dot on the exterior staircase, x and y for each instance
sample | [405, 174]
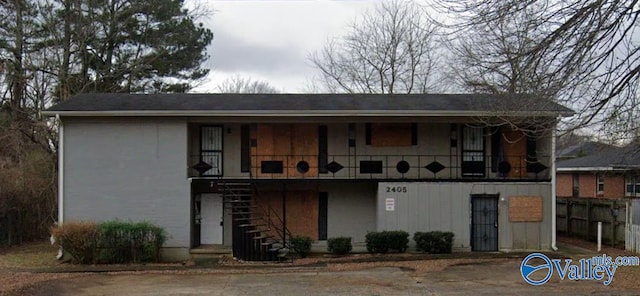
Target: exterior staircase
[258, 233]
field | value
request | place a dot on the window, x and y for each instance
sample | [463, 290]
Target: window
[599, 183]
[211, 149]
[633, 185]
[472, 152]
[576, 185]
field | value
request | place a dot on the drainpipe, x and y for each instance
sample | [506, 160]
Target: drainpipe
[60, 170]
[553, 187]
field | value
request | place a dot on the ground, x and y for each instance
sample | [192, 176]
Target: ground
[32, 271]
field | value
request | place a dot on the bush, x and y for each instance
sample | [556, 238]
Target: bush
[122, 242]
[78, 239]
[110, 242]
[434, 242]
[382, 242]
[339, 245]
[301, 245]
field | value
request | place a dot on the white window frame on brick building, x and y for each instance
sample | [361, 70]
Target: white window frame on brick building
[632, 185]
[599, 183]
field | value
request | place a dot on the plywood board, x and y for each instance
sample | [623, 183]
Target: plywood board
[289, 143]
[390, 134]
[525, 209]
[515, 152]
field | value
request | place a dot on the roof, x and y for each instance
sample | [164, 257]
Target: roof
[583, 149]
[608, 158]
[113, 104]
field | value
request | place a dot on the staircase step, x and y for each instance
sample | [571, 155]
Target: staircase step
[262, 237]
[252, 224]
[253, 231]
[247, 219]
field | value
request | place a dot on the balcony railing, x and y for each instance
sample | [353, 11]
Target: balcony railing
[441, 167]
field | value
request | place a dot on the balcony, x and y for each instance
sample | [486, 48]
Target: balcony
[384, 167]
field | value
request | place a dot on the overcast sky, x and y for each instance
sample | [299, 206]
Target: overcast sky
[271, 40]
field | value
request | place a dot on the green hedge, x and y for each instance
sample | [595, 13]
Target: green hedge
[434, 242]
[339, 245]
[301, 245]
[110, 241]
[122, 242]
[382, 242]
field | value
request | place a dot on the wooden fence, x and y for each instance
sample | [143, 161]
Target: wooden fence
[579, 217]
[632, 238]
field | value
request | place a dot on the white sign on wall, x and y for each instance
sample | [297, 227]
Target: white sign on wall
[390, 204]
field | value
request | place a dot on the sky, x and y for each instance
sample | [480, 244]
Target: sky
[271, 40]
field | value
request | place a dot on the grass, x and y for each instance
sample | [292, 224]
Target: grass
[31, 255]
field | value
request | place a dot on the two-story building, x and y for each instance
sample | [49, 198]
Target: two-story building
[250, 170]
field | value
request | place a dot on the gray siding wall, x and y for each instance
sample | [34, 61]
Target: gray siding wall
[447, 207]
[351, 209]
[128, 169]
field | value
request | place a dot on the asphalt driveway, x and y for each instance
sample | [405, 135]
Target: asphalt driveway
[493, 278]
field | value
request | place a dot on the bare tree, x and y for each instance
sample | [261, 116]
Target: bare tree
[390, 50]
[591, 49]
[238, 84]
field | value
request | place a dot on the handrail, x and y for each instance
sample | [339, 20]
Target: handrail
[269, 212]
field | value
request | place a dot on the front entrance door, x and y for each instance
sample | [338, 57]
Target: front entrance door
[484, 222]
[211, 211]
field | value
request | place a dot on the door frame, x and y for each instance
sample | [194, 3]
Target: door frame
[496, 197]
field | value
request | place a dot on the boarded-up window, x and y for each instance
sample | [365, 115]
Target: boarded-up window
[525, 209]
[391, 134]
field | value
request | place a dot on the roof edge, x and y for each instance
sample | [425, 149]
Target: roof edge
[304, 113]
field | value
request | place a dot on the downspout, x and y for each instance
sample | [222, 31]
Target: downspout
[60, 170]
[553, 188]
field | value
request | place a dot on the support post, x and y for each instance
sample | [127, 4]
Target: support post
[284, 213]
[599, 236]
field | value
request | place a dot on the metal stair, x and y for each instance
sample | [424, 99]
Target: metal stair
[258, 232]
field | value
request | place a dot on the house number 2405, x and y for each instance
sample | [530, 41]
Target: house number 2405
[398, 189]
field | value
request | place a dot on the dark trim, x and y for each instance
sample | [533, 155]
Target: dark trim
[532, 154]
[496, 142]
[323, 205]
[414, 134]
[352, 134]
[484, 156]
[367, 134]
[497, 216]
[323, 149]
[221, 151]
[245, 149]
[204, 185]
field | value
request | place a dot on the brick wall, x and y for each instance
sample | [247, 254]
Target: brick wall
[614, 186]
[564, 184]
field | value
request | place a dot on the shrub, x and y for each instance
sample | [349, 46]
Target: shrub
[301, 245]
[382, 242]
[339, 245]
[435, 242]
[121, 242]
[78, 239]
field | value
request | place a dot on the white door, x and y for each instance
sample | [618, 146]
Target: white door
[211, 223]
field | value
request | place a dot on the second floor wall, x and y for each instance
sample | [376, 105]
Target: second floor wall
[380, 150]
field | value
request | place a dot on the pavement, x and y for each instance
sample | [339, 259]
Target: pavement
[492, 274]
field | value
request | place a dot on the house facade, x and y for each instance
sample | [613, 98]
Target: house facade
[250, 171]
[596, 170]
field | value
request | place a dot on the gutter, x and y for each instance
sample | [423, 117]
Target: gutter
[305, 113]
[60, 170]
[590, 169]
[553, 189]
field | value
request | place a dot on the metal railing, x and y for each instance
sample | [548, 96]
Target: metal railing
[400, 166]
